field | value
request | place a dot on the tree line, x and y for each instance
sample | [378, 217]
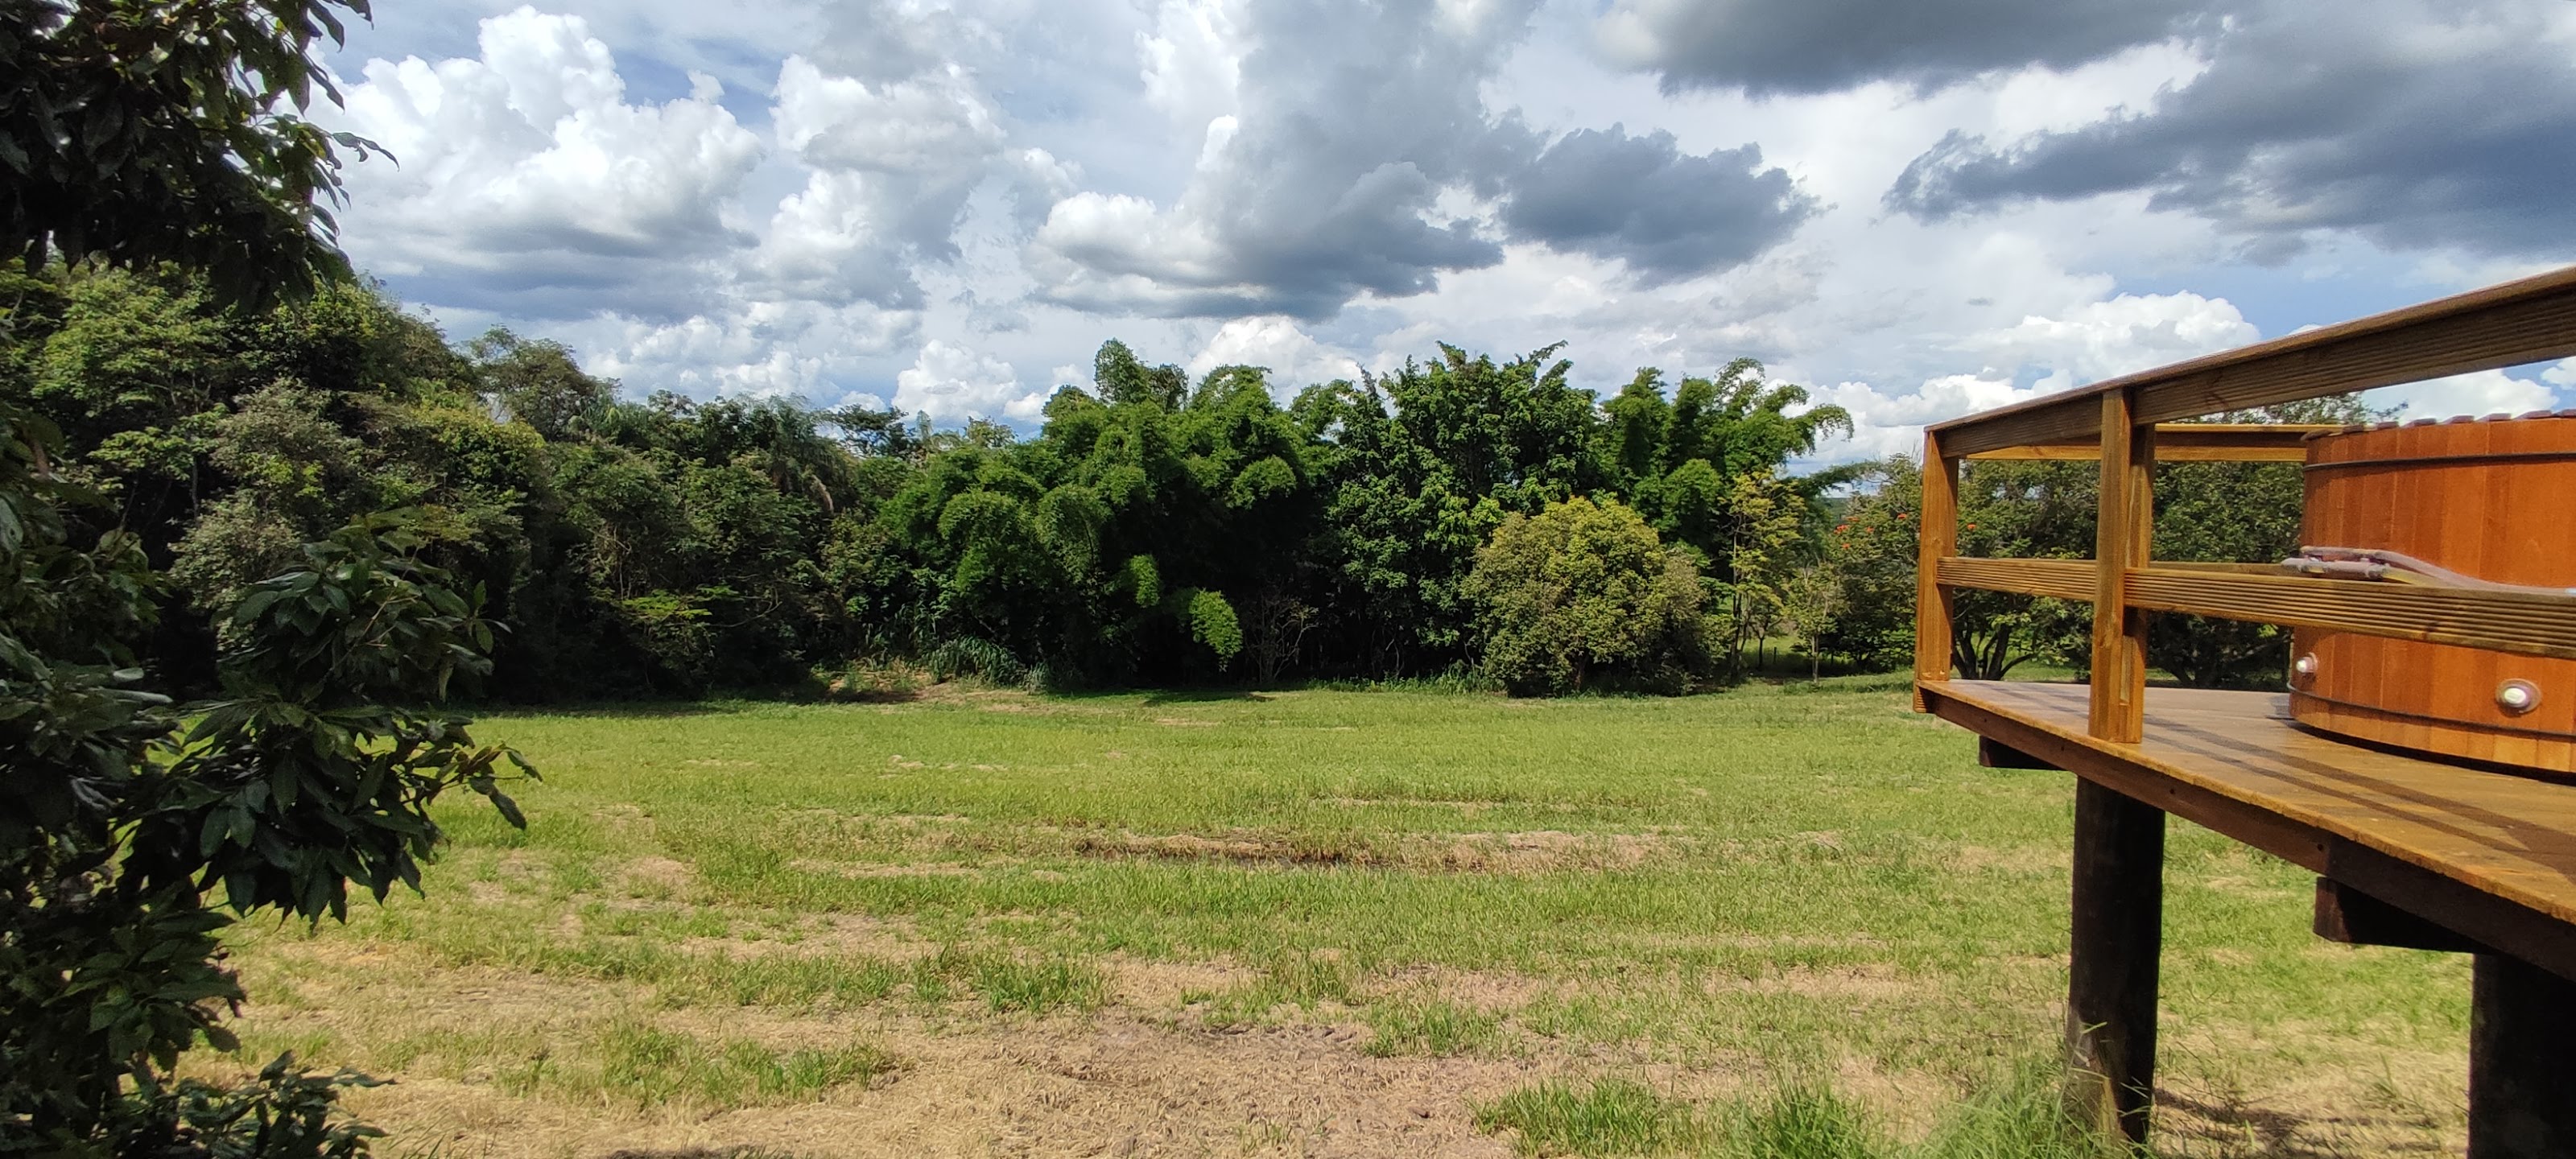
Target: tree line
[1156, 528]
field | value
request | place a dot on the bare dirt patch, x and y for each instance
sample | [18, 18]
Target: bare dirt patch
[1237, 845]
[855, 869]
[2021, 859]
[1484, 991]
[1541, 851]
[655, 876]
[1549, 850]
[1108, 1085]
[2352, 1100]
[1871, 983]
[827, 935]
[1144, 985]
[986, 698]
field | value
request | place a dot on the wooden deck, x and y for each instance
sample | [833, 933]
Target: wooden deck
[2488, 855]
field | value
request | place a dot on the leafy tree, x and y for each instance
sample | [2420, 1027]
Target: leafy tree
[1584, 592]
[149, 131]
[1117, 543]
[1678, 457]
[1810, 601]
[538, 382]
[2018, 509]
[122, 834]
[1869, 549]
[138, 135]
[668, 546]
[1427, 462]
[1758, 521]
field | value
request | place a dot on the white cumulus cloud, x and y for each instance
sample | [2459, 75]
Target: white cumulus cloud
[2107, 339]
[1293, 357]
[522, 180]
[2477, 394]
[952, 383]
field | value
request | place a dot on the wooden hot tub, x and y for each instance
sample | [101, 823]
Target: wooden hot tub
[2490, 502]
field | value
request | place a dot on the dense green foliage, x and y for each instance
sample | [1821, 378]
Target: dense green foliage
[142, 135]
[1154, 530]
[128, 831]
[145, 131]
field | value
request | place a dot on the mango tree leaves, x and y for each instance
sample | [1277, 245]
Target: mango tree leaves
[149, 131]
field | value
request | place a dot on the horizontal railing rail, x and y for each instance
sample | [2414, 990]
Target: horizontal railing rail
[2189, 443]
[2526, 623]
[2065, 579]
[2128, 424]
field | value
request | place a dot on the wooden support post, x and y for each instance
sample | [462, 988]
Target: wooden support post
[1936, 537]
[2522, 1061]
[2122, 536]
[2111, 972]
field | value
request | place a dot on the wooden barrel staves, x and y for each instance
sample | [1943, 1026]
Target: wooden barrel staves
[2470, 502]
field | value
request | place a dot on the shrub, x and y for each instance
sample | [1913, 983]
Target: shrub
[1584, 595]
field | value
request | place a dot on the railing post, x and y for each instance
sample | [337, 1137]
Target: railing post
[2122, 536]
[2118, 928]
[1936, 537]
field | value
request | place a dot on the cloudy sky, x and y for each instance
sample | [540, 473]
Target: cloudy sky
[1916, 207]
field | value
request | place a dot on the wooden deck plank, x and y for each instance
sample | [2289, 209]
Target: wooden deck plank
[2491, 855]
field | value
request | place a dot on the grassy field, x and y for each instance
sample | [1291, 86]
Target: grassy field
[1313, 923]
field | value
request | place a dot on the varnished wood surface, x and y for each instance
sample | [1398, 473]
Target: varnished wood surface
[2188, 443]
[2529, 320]
[2490, 855]
[2504, 621]
[2065, 579]
[2522, 623]
[2123, 532]
[1936, 536]
[2484, 499]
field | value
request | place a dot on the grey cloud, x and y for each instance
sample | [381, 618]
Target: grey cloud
[1667, 213]
[2412, 126]
[883, 40]
[1369, 236]
[1813, 46]
[1355, 118]
[564, 285]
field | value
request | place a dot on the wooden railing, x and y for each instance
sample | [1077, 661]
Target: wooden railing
[2127, 425]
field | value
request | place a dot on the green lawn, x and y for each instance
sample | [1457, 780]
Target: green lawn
[1309, 922]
